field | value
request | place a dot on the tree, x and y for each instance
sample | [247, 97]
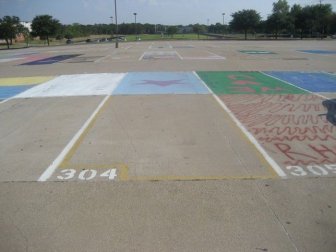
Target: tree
[197, 28]
[10, 27]
[245, 20]
[324, 14]
[172, 30]
[280, 17]
[332, 24]
[45, 26]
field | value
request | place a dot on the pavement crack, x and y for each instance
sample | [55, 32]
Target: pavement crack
[276, 217]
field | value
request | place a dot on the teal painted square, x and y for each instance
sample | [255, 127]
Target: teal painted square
[151, 83]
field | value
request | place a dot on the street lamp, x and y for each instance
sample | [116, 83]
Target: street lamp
[135, 27]
[116, 22]
[223, 22]
[111, 27]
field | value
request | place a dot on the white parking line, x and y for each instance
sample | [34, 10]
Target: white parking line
[181, 58]
[56, 163]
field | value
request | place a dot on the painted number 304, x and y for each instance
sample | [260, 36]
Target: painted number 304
[86, 175]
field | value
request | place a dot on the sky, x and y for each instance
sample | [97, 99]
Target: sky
[167, 12]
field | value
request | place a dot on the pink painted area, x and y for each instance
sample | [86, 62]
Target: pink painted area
[34, 57]
[292, 128]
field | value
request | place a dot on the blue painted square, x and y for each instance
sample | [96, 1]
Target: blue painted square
[314, 82]
[318, 51]
[7, 92]
[51, 60]
[161, 83]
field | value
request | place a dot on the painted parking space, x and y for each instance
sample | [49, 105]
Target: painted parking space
[51, 60]
[160, 55]
[256, 52]
[322, 52]
[10, 87]
[4, 58]
[11, 91]
[160, 83]
[181, 137]
[294, 130]
[34, 131]
[76, 85]
[246, 83]
[313, 82]
[294, 127]
[23, 81]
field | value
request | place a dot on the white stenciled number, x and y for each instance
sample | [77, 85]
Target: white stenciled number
[87, 174]
[67, 174]
[317, 170]
[297, 171]
[110, 174]
[331, 167]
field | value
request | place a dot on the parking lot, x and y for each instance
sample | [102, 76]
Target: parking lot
[169, 145]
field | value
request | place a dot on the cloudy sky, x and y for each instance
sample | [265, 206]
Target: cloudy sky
[170, 12]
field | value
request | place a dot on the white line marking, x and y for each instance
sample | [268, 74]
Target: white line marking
[216, 55]
[101, 59]
[54, 165]
[142, 56]
[1, 102]
[129, 47]
[181, 58]
[332, 74]
[151, 46]
[252, 139]
[324, 97]
[318, 54]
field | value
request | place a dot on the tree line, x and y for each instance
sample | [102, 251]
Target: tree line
[296, 21]
[317, 20]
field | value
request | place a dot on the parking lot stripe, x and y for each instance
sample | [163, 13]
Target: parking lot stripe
[252, 139]
[74, 141]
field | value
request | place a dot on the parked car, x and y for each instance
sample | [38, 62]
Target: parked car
[69, 41]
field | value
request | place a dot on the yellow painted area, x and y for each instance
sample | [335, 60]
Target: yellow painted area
[24, 81]
[123, 173]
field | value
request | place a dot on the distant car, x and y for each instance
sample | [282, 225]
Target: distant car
[69, 41]
[333, 36]
[88, 41]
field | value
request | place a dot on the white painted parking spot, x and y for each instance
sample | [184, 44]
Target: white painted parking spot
[76, 85]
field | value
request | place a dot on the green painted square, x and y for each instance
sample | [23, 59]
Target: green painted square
[246, 83]
[256, 52]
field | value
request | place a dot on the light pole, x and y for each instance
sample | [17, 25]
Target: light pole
[223, 22]
[116, 21]
[135, 27]
[111, 27]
